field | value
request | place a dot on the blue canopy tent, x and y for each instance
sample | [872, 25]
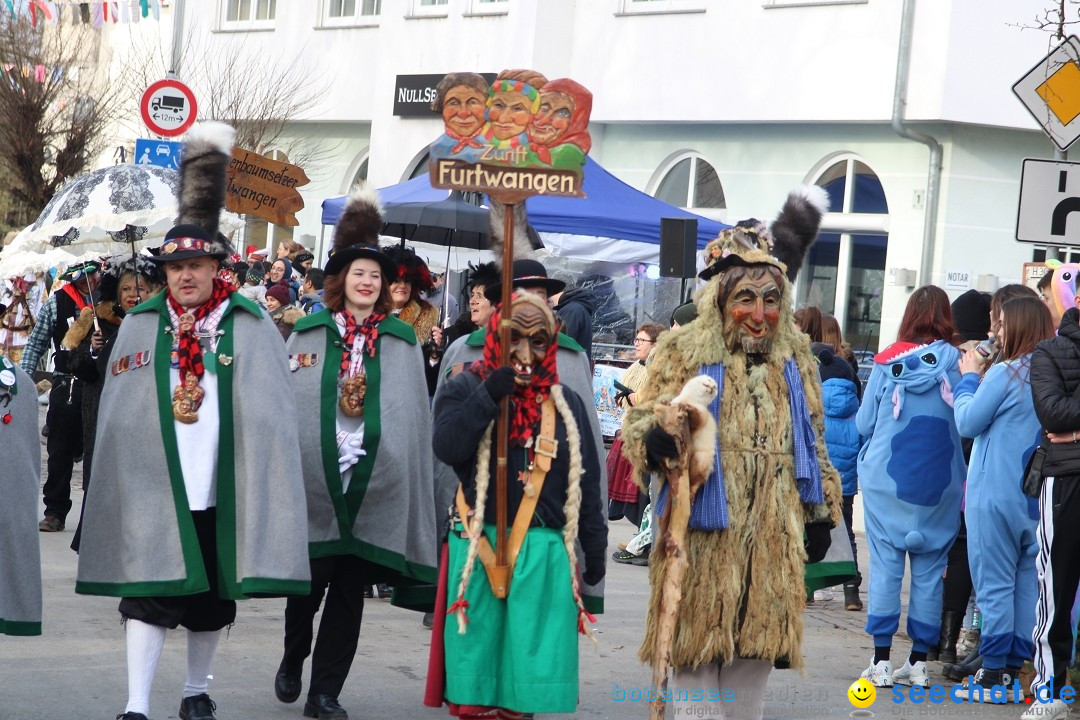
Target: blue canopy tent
[614, 222]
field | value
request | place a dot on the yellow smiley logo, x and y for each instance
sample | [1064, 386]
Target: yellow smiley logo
[861, 693]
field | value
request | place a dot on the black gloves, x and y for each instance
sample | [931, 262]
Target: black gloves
[595, 569]
[500, 383]
[659, 445]
[817, 541]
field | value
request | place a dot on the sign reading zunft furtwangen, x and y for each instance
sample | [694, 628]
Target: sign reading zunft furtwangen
[521, 134]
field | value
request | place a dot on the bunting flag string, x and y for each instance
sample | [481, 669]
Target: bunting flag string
[97, 14]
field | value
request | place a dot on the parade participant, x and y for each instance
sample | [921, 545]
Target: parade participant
[17, 312]
[365, 435]
[911, 472]
[480, 309]
[575, 373]
[199, 507]
[412, 278]
[64, 417]
[20, 458]
[772, 479]
[125, 282]
[516, 652]
[1001, 521]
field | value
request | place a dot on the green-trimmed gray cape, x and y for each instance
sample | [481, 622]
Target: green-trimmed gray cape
[387, 515]
[138, 536]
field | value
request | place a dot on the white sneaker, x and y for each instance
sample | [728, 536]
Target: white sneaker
[880, 674]
[823, 595]
[909, 674]
[1054, 710]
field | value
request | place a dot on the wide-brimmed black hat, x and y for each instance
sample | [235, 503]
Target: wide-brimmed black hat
[185, 242]
[356, 236]
[342, 259]
[528, 273]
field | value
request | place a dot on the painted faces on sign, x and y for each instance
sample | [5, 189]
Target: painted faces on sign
[509, 114]
[553, 118]
[463, 110]
[752, 311]
[531, 334]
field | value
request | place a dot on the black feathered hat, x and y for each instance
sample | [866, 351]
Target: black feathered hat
[356, 235]
[411, 268]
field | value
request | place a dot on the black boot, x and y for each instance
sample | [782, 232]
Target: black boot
[851, 597]
[958, 671]
[951, 620]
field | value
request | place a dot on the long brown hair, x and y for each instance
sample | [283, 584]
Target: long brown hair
[809, 321]
[927, 317]
[1003, 295]
[830, 333]
[334, 291]
[1027, 323]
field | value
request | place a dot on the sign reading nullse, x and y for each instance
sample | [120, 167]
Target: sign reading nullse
[1049, 212]
[1051, 92]
[413, 94]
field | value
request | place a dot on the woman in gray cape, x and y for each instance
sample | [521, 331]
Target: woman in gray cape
[20, 458]
[365, 435]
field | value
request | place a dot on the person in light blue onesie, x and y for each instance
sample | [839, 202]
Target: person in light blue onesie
[911, 470]
[1001, 520]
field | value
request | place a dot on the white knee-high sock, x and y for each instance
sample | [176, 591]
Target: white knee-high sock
[144, 644]
[201, 647]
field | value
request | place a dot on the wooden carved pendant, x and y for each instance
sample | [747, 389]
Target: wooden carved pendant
[352, 396]
[187, 397]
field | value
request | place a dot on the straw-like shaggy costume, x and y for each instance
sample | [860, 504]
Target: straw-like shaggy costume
[744, 595]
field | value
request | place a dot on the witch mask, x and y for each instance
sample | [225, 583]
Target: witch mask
[532, 331]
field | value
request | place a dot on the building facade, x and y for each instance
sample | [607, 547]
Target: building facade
[720, 107]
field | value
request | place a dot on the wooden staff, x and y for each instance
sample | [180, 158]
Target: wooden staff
[671, 531]
[503, 428]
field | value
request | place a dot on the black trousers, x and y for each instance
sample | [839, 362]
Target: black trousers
[848, 508]
[958, 585]
[341, 578]
[65, 443]
[202, 612]
[1058, 568]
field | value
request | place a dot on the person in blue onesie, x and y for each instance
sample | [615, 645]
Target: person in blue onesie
[911, 470]
[1001, 520]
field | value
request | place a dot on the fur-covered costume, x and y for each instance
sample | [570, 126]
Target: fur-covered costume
[422, 316]
[752, 606]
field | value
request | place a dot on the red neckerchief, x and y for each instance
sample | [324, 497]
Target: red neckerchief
[75, 295]
[188, 350]
[525, 408]
[369, 329]
[462, 141]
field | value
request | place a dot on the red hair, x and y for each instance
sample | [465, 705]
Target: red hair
[927, 317]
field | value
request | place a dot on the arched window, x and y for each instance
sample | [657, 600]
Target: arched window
[688, 181]
[419, 165]
[844, 273]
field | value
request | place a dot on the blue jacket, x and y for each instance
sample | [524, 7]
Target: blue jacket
[1000, 415]
[841, 436]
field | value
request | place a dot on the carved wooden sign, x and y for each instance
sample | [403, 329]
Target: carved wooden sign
[257, 185]
[521, 135]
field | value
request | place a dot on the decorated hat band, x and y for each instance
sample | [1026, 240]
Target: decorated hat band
[180, 244]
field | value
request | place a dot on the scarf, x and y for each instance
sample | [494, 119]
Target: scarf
[525, 400]
[71, 292]
[709, 511]
[188, 350]
[577, 133]
[462, 141]
[369, 329]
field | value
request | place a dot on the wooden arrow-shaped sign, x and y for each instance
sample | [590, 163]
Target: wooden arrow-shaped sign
[257, 185]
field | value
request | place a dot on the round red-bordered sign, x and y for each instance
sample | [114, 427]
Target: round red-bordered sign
[168, 108]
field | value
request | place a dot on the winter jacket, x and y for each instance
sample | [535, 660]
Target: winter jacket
[312, 302]
[840, 395]
[576, 309]
[1055, 380]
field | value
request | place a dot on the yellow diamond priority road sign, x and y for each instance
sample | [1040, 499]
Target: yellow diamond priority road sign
[1051, 93]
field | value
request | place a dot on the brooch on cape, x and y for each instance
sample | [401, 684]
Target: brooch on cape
[187, 398]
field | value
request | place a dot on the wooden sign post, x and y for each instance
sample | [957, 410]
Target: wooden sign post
[521, 135]
[260, 186]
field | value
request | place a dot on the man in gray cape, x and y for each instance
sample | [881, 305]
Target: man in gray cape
[20, 458]
[194, 504]
[575, 372]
